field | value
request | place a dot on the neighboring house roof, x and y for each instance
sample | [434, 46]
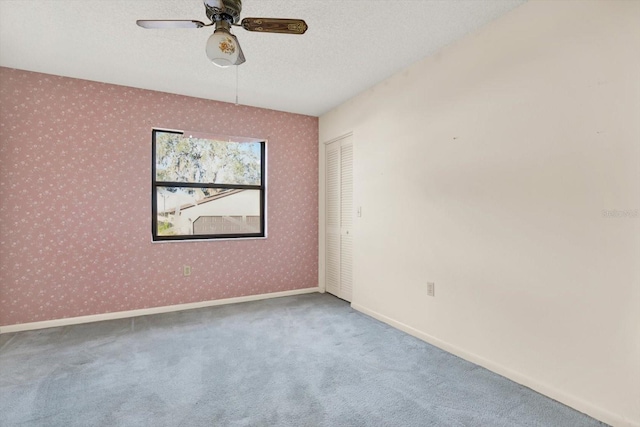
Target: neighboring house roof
[205, 200]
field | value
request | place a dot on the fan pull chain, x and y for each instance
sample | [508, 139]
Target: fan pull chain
[236, 84]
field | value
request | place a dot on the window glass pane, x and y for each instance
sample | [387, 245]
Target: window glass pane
[195, 160]
[187, 211]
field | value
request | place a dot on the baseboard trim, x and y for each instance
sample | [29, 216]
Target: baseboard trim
[146, 311]
[545, 389]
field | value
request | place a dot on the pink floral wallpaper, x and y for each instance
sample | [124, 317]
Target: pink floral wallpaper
[75, 192]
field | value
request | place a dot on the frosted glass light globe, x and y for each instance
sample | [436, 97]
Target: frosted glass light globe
[222, 49]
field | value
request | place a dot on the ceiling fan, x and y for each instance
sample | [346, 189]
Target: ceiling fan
[223, 48]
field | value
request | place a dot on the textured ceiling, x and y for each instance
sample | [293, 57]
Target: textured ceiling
[350, 46]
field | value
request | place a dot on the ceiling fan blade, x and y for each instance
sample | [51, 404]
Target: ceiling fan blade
[241, 58]
[275, 25]
[176, 23]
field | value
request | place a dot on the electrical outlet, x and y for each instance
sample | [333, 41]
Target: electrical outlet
[186, 270]
[431, 289]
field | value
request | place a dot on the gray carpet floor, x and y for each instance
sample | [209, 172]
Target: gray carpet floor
[307, 360]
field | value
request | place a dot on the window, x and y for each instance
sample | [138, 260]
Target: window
[207, 187]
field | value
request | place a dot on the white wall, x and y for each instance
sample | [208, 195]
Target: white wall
[486, 169]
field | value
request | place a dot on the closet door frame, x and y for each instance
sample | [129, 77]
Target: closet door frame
[323, 217]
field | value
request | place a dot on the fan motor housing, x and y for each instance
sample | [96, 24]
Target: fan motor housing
[232, 9]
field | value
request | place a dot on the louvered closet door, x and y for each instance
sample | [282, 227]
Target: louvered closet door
[339, 218]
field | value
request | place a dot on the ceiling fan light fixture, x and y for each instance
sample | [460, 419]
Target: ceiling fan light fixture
[222, 48]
